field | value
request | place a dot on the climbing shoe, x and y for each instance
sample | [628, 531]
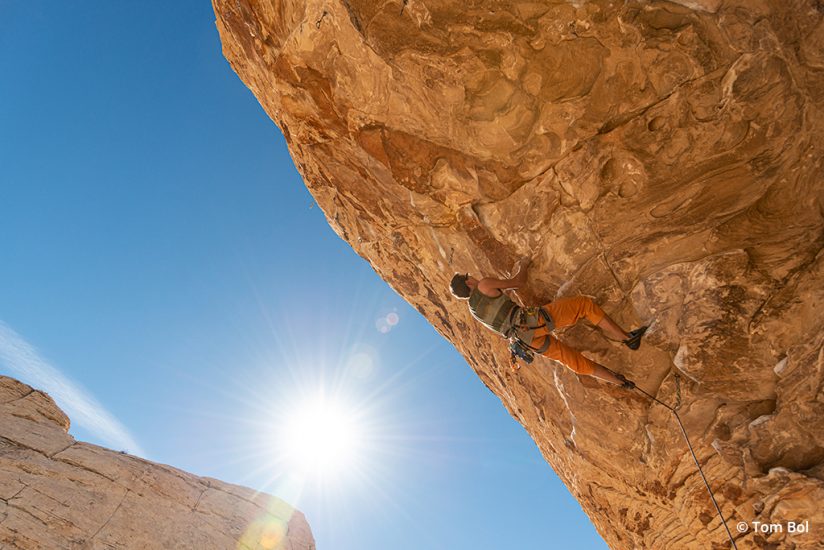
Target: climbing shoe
[626, 383]
[634, 340]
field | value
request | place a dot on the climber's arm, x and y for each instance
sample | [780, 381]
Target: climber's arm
[492, 287]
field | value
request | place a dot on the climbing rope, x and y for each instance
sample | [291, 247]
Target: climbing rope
[695, 458]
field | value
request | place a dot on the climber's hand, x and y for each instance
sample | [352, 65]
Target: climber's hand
[523, 263]
[515, 365]
[517, 277]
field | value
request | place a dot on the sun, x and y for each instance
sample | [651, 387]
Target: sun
[321, 436]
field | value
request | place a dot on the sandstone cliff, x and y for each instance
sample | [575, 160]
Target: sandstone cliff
[665, 157]
[58, 493]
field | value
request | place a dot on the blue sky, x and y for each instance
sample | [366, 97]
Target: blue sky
[166, 273]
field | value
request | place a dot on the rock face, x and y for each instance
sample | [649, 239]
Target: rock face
[664, 157]
[58, 493]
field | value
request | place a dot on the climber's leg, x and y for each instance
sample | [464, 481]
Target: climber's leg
[567, 311]
[574, 359]
[612, 329]
[569, 357]
[607, 375]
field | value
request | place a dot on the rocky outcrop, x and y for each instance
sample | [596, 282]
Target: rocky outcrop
[665, 157]
[58, 493]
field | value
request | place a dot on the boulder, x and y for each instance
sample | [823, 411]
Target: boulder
[59, 493]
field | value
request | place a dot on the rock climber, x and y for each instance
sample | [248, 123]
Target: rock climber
[534, 327]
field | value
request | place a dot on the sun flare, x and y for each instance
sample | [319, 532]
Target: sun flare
[321, 436]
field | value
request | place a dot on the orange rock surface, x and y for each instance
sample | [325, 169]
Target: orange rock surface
[664, 157]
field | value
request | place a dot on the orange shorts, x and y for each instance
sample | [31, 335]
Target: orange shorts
[566, 312]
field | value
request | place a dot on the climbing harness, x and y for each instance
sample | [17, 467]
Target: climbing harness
[518, 347]
[525, 315]
[695, 458]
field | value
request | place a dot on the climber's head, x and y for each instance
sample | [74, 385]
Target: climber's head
[461, 285]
